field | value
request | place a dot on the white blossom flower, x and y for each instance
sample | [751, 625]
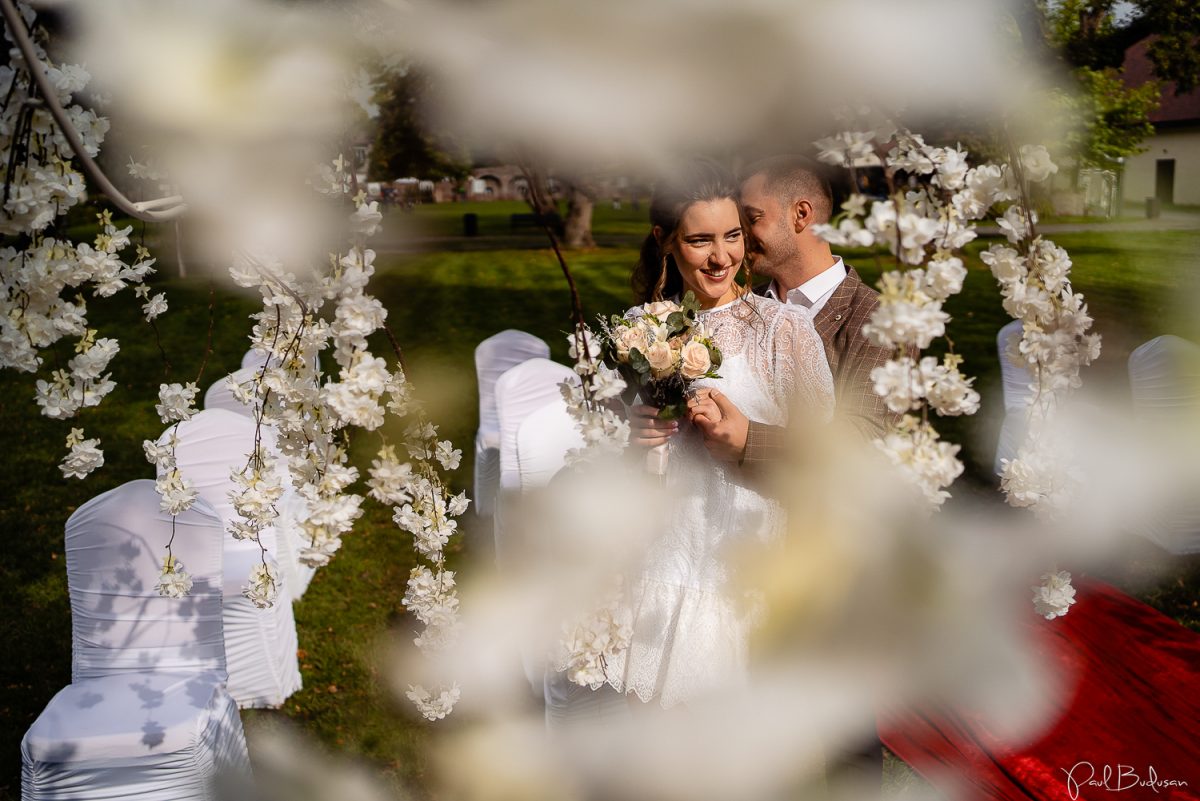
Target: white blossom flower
[458, 504]
[931, 465]
[848, 149]
[84, 456]
[160, 455]
[174, 582]
[366, 219]
[434, 706]
[176, 402]
[154, 306]
[944, 275]
[1014, 223]
[1054, 596]
[263, 586]
[1036, 164]
[448, 455]
[177, 493]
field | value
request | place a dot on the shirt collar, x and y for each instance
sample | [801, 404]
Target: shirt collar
[814, 288]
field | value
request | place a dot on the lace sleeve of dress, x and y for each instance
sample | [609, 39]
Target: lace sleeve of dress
[800, 370]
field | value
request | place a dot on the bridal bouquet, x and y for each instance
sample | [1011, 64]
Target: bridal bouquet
[660, 349]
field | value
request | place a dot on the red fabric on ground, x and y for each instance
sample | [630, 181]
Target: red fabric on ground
[1136, 704]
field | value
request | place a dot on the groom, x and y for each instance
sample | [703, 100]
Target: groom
[784, 197]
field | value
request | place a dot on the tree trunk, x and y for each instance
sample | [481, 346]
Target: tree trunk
[577, 229]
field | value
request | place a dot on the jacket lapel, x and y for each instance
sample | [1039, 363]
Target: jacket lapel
[834, 313]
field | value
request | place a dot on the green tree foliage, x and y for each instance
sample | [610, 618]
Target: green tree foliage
[1096, 33]
[1112, 119]
[404, 144]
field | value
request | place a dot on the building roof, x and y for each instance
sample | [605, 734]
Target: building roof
[1172, 107]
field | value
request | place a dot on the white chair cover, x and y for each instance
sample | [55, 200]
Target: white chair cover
[519, 392]
[1018, 392]
[253, 359]
[218, 395]
[1164, 377]
[292, 508]
[543, 439]
[147, 715]
[494, 356]
[260, 644]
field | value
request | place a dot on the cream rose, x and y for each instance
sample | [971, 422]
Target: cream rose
[662, 308]
[694, 359]
[662, 358]
[630, 338]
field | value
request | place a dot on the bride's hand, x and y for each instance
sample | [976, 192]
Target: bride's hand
[702, 405]
[646, 430]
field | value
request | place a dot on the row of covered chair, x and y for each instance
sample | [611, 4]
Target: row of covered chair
[525, 429]
[152, 709]
[1164, 381]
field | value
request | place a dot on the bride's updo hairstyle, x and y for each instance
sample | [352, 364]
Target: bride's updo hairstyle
[655, 277]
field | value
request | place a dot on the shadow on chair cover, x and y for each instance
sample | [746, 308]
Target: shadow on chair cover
[260, 644]
[1164, 380]
[1018, 392]
[147, 714]
[495, 356]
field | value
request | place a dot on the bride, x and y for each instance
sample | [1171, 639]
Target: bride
[690, 618]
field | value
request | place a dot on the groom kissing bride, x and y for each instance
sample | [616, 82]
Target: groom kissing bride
[793, 353]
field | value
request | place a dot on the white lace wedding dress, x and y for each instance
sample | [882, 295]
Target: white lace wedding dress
[690, 621]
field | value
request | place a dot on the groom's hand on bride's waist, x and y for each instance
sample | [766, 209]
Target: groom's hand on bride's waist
[725, 432]
[646, 430]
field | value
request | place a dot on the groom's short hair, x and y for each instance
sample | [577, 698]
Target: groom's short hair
[792, 178]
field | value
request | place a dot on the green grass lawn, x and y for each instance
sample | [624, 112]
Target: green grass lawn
[440, 306]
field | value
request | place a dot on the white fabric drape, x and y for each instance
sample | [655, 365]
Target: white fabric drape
[494, 356]
[543, 439]
[147, 715]
[260, 644]
[1164, 378]
[1018, 392]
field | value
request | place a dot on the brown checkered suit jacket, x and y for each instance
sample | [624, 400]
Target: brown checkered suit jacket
[851, 360]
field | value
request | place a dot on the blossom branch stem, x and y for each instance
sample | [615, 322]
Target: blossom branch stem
[37, 72]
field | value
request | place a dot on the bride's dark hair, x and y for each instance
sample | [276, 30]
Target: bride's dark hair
[655, 275]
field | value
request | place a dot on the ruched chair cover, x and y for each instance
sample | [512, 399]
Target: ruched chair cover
[543, 440]
[292, 508]
[1018, 392]
[1164, 378]
[147, 715]
[495, 356]
[260, 644]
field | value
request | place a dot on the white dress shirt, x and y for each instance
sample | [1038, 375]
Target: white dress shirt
[814, 293]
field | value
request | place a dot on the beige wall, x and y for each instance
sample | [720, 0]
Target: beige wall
[1183, 145]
